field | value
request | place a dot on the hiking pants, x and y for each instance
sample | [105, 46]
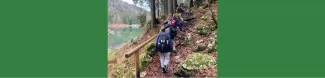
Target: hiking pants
[164, 58]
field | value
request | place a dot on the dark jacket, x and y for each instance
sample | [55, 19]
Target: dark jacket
[169, 41]
[178, 23]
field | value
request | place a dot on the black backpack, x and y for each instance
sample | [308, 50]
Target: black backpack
[163, 45]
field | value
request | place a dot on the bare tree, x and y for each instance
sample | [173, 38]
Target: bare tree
[153, 13]
[158, 8]
[170, 6]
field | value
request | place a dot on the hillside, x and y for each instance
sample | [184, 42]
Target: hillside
[123, 12]
[195, 55]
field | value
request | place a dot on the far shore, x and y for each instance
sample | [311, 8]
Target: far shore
[118, 26]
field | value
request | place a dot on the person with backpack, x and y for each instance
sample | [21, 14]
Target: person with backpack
[164, 46]
[171, 26]
[181, 8]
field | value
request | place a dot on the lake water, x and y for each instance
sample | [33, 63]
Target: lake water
[122, 35]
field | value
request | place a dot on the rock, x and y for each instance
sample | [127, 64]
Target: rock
[198, 42]
[143, 74]
[195, 62]
[149, 59]
[178, 60]
[188, 39]
[189, 36]
[210, 45]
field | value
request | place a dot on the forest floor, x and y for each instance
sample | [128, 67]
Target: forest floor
[119, 62]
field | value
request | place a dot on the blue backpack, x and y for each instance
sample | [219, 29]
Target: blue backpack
[163, 44]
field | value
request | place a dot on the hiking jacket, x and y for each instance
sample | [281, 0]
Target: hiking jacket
[169, 41]
[178, 23]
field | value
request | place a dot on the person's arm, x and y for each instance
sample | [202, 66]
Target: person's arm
[171, 45]
[179, 24]
[165, 22]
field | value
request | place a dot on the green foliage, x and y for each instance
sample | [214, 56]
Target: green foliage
[183, 72]
[199, 48]
[122, 71]
[144, 61]
[198, 3]
[111, 54]
[213, 48]
[142, 3]
[126, 18]
[205, 17]
[188, 40]
[145, 58]
[213, 26]
[199, 27]
[203, 31]
[142, 18]
[198, 61]
[150, 48]
[194, 62]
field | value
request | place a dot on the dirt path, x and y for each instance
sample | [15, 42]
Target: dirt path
[153, 70]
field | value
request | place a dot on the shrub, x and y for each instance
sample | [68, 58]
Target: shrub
[194, 62]
[199, 48]
[145, 58]
[149, 48]
[144, 61]
[188, 40]
[142, 19]
[201, 30]
[213, 48]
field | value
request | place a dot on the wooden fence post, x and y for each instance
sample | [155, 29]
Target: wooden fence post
[137, 69]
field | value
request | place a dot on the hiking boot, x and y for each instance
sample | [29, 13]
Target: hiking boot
[165, 69]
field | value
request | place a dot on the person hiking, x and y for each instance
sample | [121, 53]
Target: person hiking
[181, 8]
[164, 46]
[171, 26]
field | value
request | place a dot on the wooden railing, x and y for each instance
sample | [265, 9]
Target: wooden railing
[136, 52]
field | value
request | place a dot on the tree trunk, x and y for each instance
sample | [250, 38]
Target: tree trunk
[153, 13]
[165, 7]
[170, 6]
[175, 5]
[162, 7]
[158, 8]
[191, 3]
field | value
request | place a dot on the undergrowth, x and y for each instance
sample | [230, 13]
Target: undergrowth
[145, 58]
[195, 62]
